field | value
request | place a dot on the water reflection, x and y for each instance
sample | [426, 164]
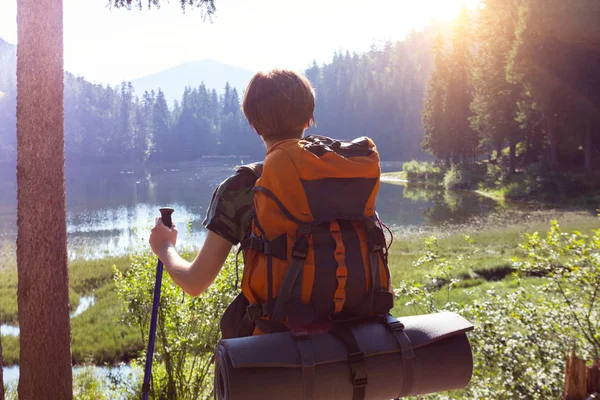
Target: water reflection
[117, 231]
[110, 378]
[110, 210]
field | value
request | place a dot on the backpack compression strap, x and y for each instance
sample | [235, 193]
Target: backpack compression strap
[299, 254]
[356, 360]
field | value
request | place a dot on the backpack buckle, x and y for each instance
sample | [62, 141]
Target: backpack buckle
[394, 324]
[255, 311]
[300, 249]
[299, 333]
[359, 375]
[360, 380]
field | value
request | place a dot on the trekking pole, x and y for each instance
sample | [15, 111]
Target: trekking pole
[165, 213]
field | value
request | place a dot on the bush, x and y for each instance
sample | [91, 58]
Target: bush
[187, 330]
[544, 184]
[521, 339]
[496, 175]
[423, 171]
[464, 177]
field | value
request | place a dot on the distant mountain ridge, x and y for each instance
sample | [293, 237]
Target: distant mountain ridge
[213, 74]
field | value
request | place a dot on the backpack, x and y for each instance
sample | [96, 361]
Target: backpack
[316, 253]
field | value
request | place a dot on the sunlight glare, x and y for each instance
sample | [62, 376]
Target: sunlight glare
[448, 9]
[426, 10]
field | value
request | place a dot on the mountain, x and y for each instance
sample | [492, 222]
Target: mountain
[173, 81]
[8, 66]
[8, 102]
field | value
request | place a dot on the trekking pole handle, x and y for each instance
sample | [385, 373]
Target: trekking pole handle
[165, 214]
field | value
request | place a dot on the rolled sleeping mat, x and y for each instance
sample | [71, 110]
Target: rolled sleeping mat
[430, 354]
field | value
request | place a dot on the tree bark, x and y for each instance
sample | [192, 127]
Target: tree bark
[587, 148]
[43, 295]
[553, 145]
[528, 155]
[512, 153]
[498, 150]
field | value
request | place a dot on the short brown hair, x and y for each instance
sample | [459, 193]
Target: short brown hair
[279, 104]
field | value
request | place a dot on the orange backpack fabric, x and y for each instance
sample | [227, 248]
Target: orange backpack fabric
[316, 252]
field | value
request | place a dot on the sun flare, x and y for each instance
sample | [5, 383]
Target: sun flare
[426, 10]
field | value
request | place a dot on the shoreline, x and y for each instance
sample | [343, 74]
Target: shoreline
[582, 201]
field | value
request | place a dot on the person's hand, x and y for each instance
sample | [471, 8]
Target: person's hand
[162, 237]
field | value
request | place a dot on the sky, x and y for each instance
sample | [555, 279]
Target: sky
[109, 46]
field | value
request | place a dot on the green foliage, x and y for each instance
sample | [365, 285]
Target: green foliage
[571, 261]
[448, 134]
[187, 329]
[464, 176]
[534, 85]
[495, 176]
[86, 386]
[379, 93]
[423, 171]
[522, 337]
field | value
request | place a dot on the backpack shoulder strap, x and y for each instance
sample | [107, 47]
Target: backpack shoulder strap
[254, 168]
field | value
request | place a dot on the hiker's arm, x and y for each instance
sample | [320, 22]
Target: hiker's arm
[196, 276]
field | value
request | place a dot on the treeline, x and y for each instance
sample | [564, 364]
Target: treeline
[379, 94]
[114, 125]
[522, 75]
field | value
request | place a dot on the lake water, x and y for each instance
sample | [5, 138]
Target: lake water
[111, 210]
[85, 302]
[112, 378]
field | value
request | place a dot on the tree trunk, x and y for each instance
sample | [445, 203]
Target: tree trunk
[553, 145]
[528, 152]
[498, 150]
[513, 153]
[587, 148]
[43, 292]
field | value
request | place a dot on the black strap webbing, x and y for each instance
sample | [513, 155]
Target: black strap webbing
[299, 254]
[285, 290]
[308, 364]
[406, 351]
[356, 359]
[246, 327]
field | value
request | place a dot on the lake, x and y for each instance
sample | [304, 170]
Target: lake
[110, 210]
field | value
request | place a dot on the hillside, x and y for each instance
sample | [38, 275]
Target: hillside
[8, 87]
[212, 73]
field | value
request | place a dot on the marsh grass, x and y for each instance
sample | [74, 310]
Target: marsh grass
[97, 334]
[480, 253]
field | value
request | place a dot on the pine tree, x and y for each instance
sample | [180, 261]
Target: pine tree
[494, 102]
[463, 140]
[434, 119]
